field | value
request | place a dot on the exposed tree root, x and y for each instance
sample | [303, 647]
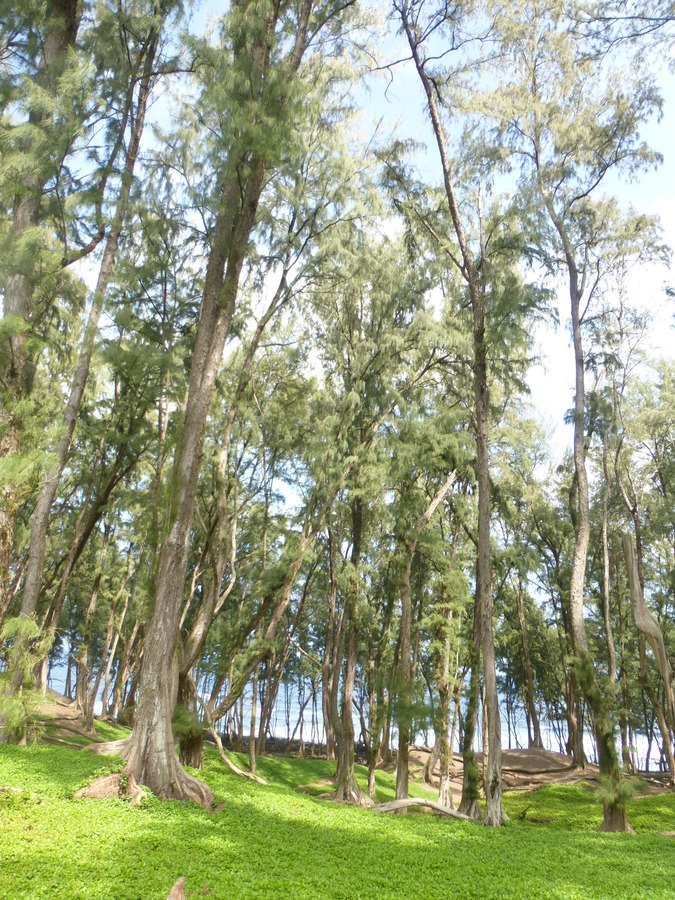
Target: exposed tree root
[395, 805]
[351, 797]
[110, 748]
[228, 762]
[182, 786]
[113, 787]
[472, 811]
[178, 890]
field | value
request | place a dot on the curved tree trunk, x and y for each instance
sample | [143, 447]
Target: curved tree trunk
[614, 812]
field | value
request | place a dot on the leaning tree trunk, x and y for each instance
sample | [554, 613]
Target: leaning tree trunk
[62, 22]
[40, 518]
[151, 756]
[152, 759]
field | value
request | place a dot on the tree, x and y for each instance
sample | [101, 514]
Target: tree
[257, 73]
[419, 21]
[37, 156]
[141, 76]
[557, 82]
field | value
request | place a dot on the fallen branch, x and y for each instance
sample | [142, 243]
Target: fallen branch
[395, 805]
[228, 762]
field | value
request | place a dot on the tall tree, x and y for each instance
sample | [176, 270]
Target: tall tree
[141, 59]
[255, 75]
[558, 83]
[420, 21]
[50, 35]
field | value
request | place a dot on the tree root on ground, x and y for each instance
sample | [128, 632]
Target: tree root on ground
[396, 805]
[228, 762]
[183, 786]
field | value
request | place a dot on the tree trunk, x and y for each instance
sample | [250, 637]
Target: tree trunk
[406, 690]
[191, 735]
[535, 740]
[469, 801]
[650, 629]
[347, 787]
[606, 605]
[614, 814]
[330, 673]
[475, 281]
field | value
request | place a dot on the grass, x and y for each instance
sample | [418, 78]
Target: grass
[280, 841]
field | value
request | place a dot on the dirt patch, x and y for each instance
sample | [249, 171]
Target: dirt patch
[521, 769]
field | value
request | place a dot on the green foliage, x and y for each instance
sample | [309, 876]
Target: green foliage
[23, 647]
[185, 724]
[280, 839]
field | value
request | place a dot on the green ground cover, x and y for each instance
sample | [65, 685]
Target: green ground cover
[281, 841]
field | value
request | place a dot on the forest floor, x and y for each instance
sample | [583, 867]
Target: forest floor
[282, 839]
[61, 724]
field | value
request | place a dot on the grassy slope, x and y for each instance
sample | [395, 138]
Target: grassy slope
[277, 841]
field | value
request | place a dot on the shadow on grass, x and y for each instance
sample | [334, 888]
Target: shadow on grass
[293, 846]
[276, 842]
